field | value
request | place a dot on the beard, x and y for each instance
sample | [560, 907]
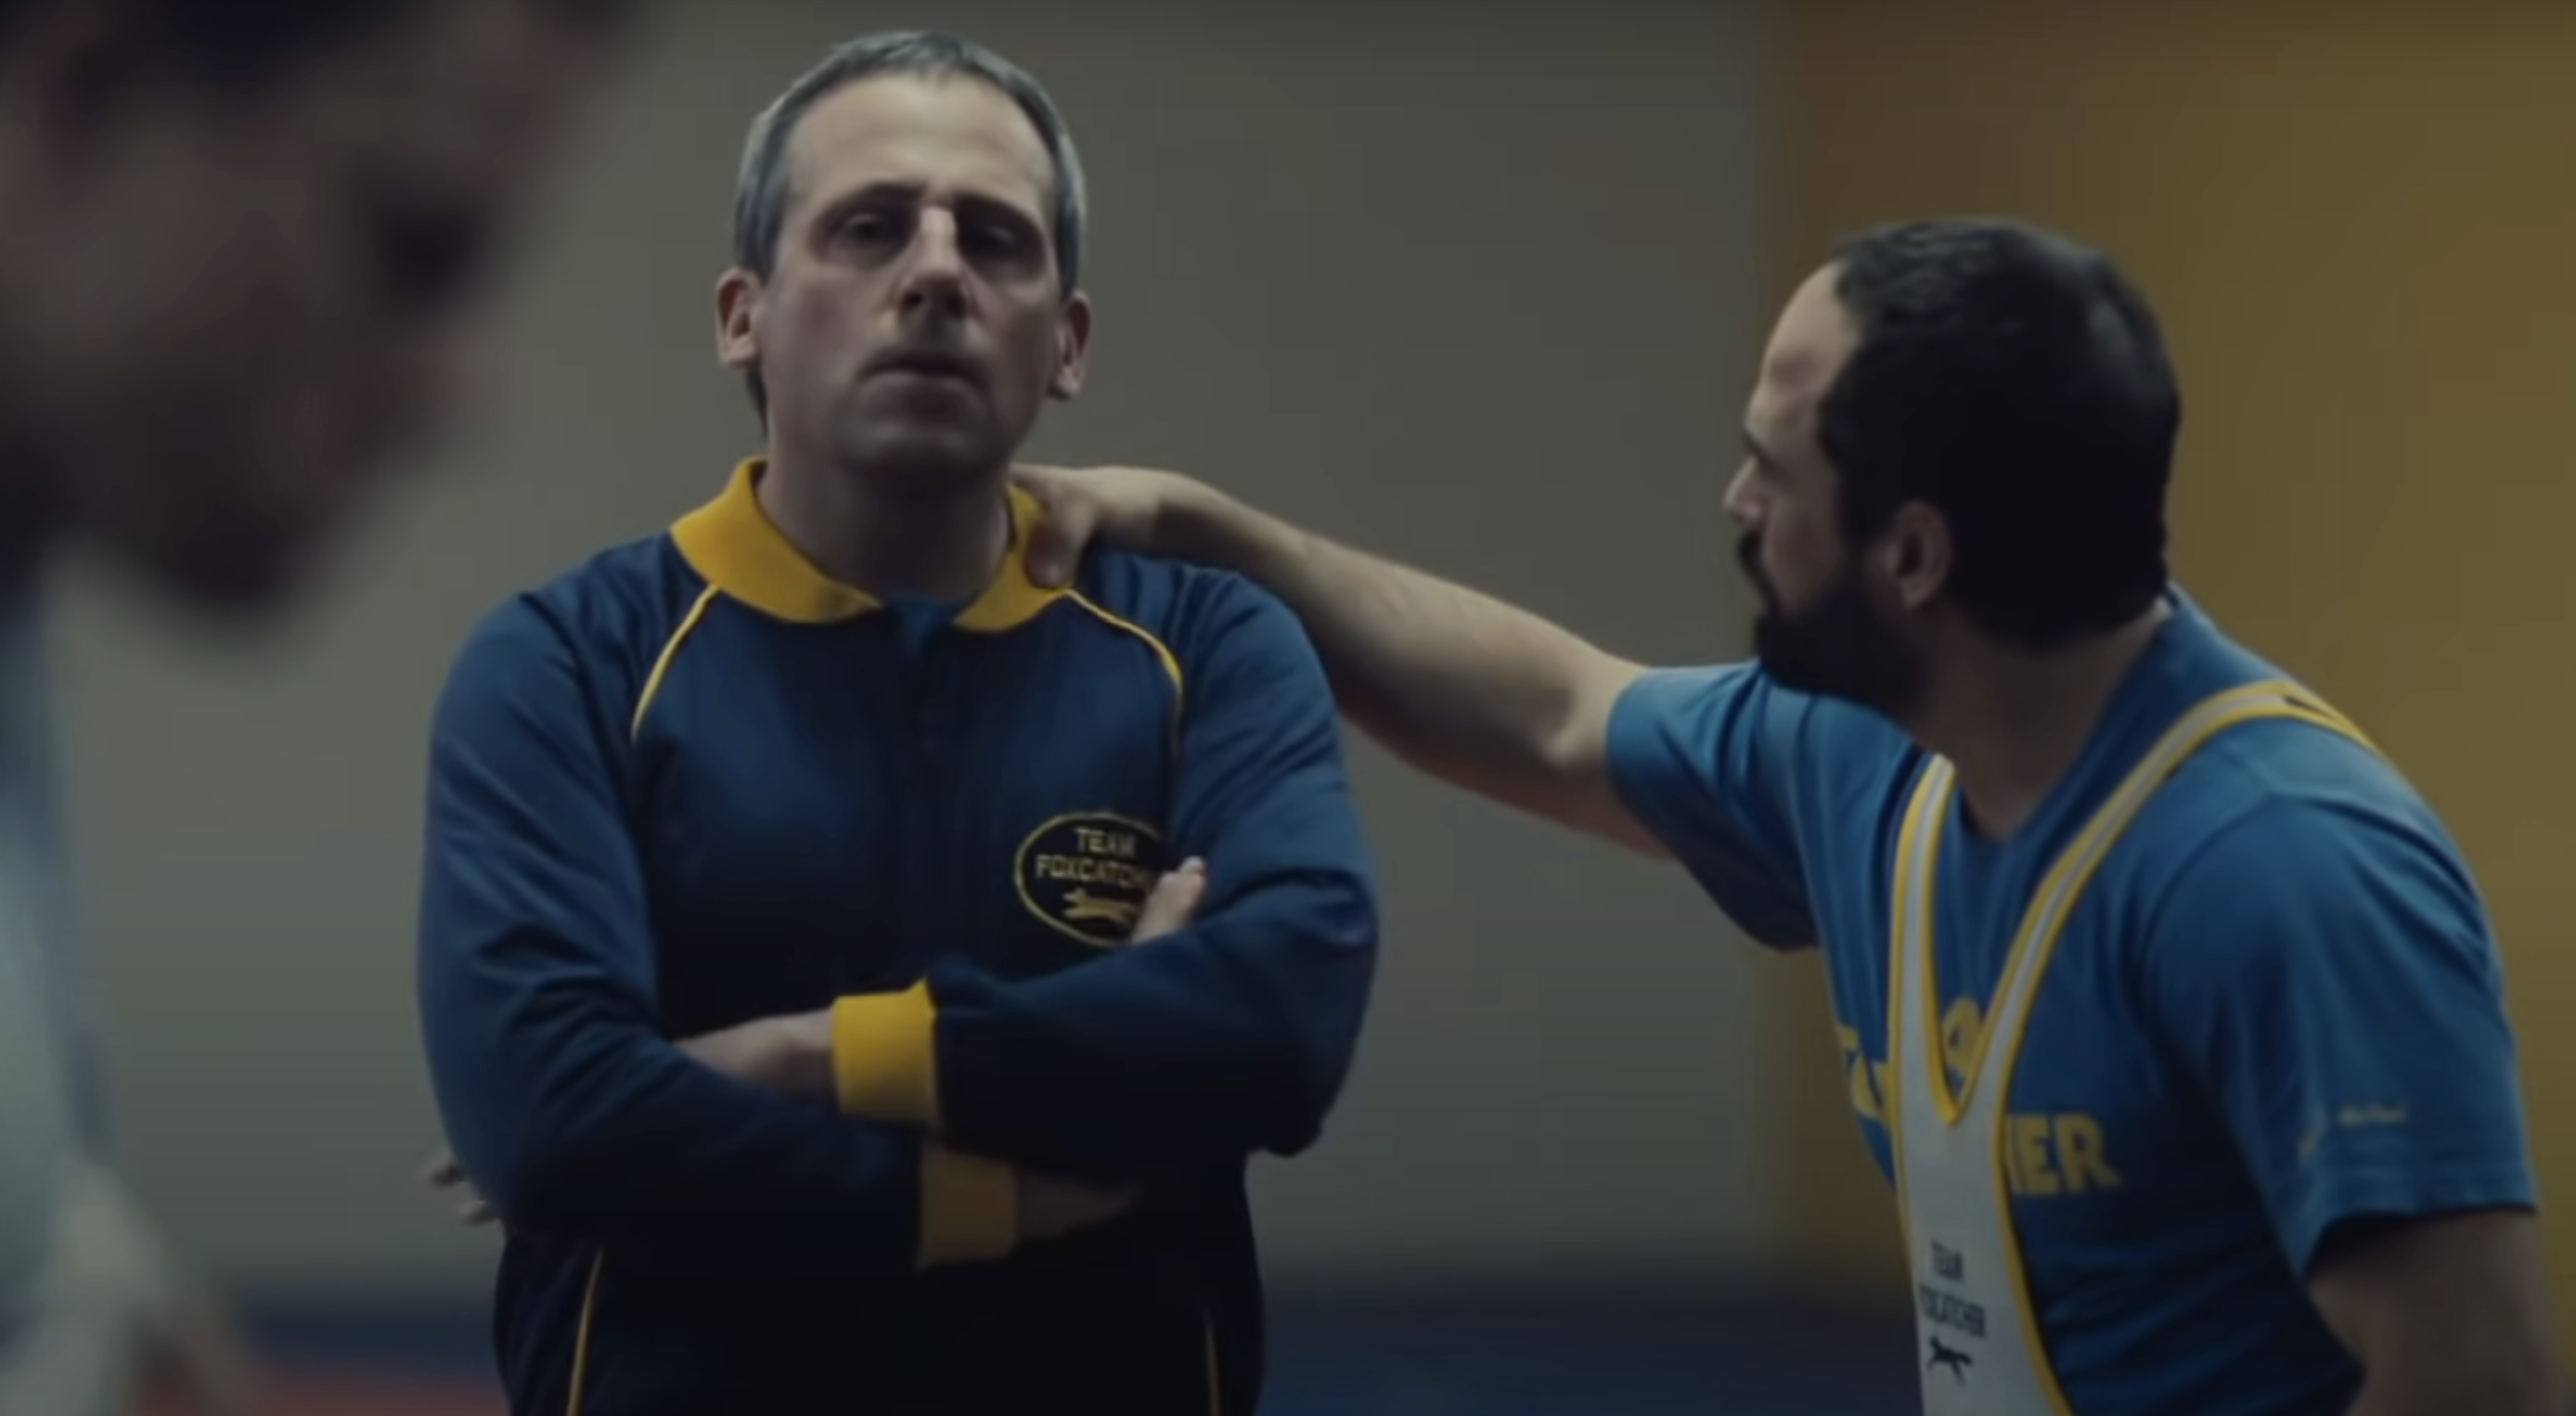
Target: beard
[1836, 646]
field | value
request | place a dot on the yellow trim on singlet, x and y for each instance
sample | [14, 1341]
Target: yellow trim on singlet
[2040, 929]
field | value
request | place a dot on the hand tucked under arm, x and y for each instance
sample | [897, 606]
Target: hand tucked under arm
[792, 1055]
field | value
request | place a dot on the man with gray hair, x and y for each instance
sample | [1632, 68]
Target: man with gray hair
[855, 977]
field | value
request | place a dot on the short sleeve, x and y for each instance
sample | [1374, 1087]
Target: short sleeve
[2324, 965]
[1703, 758]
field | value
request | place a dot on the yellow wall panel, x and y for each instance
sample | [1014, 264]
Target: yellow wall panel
[2359, 222]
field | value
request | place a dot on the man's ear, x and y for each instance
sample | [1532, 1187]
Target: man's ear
[1919, 552]
[1072, 349]
[737, 319]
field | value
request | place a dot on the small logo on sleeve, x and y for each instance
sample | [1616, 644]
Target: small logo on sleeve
[1087, 873]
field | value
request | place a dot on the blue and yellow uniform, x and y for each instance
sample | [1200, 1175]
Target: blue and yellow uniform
[2268, 1004]
[695, 782]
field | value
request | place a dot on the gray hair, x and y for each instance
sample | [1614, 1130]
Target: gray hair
[761, 188]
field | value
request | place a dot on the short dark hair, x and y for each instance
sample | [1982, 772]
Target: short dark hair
[2015, 381]
[249, 39]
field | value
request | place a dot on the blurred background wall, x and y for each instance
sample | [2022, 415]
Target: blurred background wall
[1481, 287]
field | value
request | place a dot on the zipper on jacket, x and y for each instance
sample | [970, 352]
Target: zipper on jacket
[920, 746]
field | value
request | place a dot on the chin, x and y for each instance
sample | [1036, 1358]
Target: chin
[1839, 652]
[926, 458]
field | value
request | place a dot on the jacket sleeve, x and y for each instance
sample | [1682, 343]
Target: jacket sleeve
[562, 1098]
[1231, 1036]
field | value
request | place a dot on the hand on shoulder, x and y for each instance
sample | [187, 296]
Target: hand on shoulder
[1112, 508]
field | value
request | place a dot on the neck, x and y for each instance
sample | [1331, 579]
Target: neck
[873, 533]
[2012, 722]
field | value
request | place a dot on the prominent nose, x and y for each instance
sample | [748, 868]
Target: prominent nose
[934, 276]
[1739, 494]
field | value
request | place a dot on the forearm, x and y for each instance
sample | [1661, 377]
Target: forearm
[537, 984]
[2489, 1364]
[2446, 1312]
[633, 1146]
[1164, 1058]
[1457, 683]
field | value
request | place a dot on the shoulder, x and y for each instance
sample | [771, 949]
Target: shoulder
[1200, 616]
[2290, 804]
[1175, 596]
[2283, 843]
[638, 590]
[602, 621]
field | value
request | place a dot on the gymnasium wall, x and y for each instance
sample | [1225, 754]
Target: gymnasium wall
[2356, 220]
[1473, 284]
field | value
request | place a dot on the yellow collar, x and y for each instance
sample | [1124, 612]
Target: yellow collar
[731, 542]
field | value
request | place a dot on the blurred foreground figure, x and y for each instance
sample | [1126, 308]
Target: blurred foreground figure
[237, 238]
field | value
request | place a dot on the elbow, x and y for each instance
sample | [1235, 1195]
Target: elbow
[1247, 1084]
[1283, 1090]
[1306, 1059]
[1292, 1118]
[544, 1151]
[547, 1182]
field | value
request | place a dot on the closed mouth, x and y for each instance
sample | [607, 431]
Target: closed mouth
[934, 366]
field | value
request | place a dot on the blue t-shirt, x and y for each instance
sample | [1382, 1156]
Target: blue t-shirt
[2276, 1008]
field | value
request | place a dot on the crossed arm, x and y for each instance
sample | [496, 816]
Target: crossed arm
[575, 1116]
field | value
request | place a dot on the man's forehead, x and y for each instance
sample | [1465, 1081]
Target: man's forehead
[1793, 382]
[1814, 335]
[945, 132]
[1809, 345]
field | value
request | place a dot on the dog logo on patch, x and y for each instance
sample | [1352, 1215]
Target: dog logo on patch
[1087, 873]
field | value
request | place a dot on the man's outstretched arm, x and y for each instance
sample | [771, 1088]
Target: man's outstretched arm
[1458, 684]
[1697, 765]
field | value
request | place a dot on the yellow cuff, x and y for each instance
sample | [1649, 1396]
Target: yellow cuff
[970, 1208]
[885, 1058]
